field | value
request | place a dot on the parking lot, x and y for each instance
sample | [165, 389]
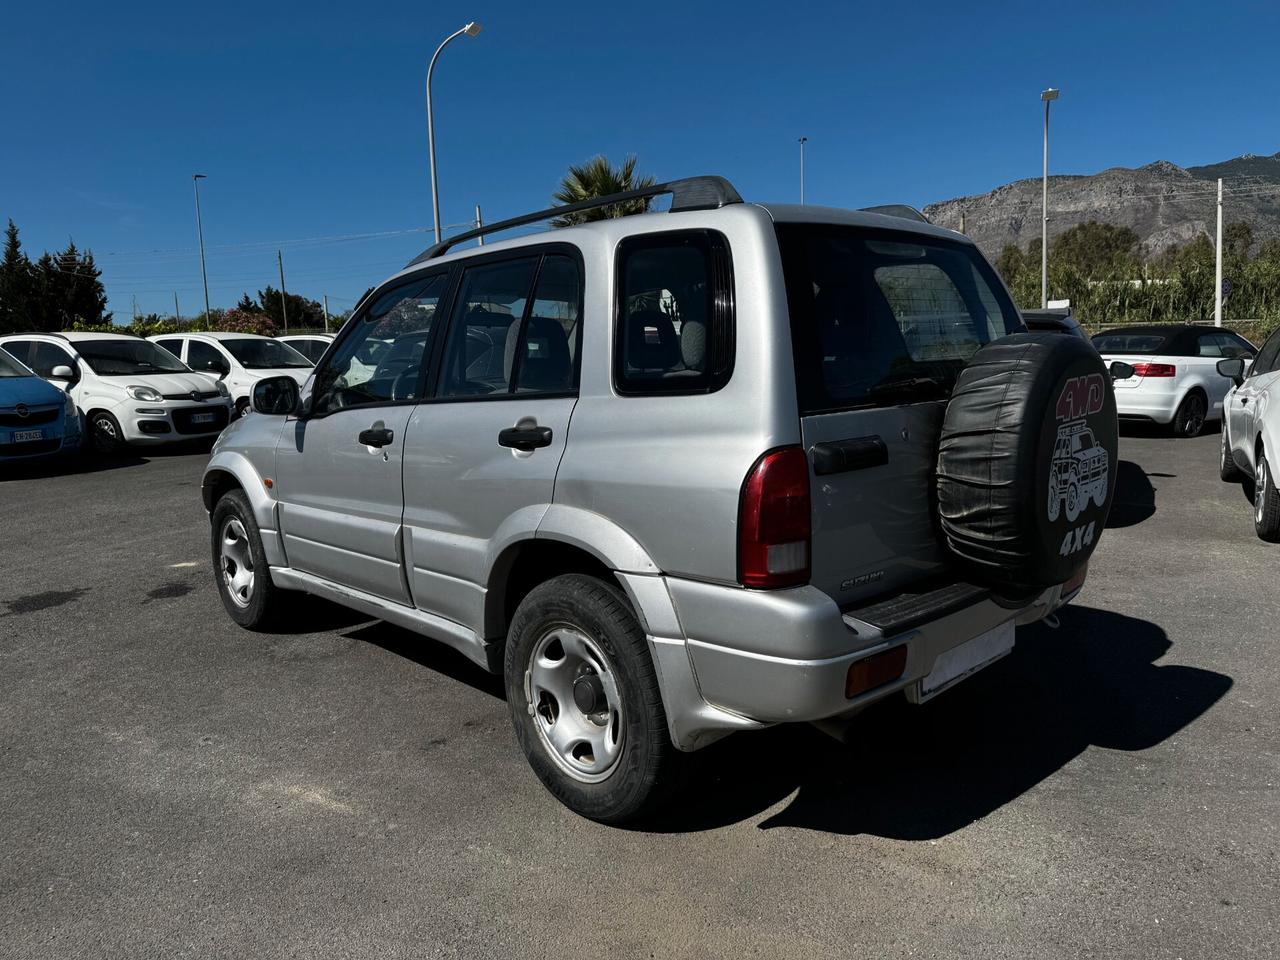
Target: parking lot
[174, 786]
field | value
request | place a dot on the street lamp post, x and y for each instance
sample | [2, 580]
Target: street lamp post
[471, 29]
[195, 179]
[803, 141]
[1048, 96]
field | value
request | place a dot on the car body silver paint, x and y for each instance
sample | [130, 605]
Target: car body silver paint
[1252, 417]
[649, 485]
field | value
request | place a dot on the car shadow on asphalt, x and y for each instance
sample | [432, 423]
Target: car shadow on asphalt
[920, 773]
[1135, 499]
[67, 465]
[427, 653]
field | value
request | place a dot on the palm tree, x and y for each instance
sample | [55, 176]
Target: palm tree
[598, 178]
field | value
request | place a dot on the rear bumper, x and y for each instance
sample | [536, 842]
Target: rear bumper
[1147, 404]
[755, 658]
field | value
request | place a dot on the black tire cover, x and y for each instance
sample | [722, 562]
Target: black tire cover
[1027, 459]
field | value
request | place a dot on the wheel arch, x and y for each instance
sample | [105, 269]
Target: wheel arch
[229, 470]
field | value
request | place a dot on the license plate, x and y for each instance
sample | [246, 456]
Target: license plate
[22, 436]
[967, 658]
[202, 418]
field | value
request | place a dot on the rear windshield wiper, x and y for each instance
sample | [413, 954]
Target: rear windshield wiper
[925, 388]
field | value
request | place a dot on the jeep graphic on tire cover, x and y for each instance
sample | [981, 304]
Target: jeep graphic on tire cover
[1027, 460]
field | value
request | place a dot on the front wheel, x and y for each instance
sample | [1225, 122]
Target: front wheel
[240, 564]
[1227, 468]
[105, 433]
[1266, 502]
[585, 702]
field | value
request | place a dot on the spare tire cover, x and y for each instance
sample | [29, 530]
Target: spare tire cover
[1027, 460]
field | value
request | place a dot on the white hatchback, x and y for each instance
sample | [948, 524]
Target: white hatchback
[126, 389]
[1176, 381]
[238, 360]
[310, 345]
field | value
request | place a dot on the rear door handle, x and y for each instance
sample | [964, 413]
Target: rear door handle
[525, 438]
[376, 437]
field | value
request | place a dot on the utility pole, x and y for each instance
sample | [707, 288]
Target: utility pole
[1048, 96]
[177, 314]
[195, 179]
[284, 299]
[962, 219]
[479, 224]
[1217, 294]
[135, 306]
[803, 141]
[326, 313]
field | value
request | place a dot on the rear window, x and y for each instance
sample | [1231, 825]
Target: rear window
[1132, 342]
[880, 317]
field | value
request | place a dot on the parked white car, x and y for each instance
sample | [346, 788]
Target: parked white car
[126, 389]
[238, 360]
[310, 345]
[1251, 432]
[1176, 381]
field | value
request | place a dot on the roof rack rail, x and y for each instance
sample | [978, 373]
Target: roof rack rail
[690, 193]
[898, 210]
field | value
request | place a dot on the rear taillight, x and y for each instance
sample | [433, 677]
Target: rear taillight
[1154, 369]
[774, 521]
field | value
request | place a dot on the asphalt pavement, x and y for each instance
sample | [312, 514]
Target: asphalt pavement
[173, 786]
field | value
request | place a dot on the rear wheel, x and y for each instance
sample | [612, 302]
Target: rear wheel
[585, 703]
[1266, 501]
[1189, 420]
[1227, 468]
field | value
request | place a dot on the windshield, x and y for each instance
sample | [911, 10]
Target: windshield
[880, 317]
[10, 367]
[254, 354]
[127, 358]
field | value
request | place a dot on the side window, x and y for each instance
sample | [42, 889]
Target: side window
[312, 349]
[1234, 345]
[205, 358]
[46, 356]
[173, 346]
[484, 334]
[1265, 362]
[381, 359]
[547, 352]
[21, 350]
[1209, 345]
[675, 326]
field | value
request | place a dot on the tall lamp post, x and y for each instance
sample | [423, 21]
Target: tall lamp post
[195, 179]
[803, 141]
[472, 29]
[1048, 96]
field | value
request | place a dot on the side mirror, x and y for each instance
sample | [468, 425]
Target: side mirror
[62, 372]
[1121, 370]
[217, 366]
[1232, 369]
[276, 396]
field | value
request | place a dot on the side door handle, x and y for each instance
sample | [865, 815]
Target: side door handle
[525, 437]
[376, 437]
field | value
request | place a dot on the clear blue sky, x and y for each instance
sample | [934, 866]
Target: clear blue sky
[309, 122]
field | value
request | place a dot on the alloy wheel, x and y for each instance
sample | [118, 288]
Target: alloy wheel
[235, 559]
[1260, 486]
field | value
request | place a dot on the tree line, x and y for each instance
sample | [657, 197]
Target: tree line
[51, 293]
[1111, 279]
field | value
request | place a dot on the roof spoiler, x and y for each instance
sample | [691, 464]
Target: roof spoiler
[691, 193]
[898, 210]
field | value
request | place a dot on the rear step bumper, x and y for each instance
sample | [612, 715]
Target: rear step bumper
[784, 655]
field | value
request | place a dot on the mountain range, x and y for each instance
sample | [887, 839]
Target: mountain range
[1165, 204]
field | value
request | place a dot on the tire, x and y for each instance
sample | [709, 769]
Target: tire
[1227, 468]
[1266, 501]
[585, 703]
[105, 434]
[1021, 406]
[242, 408]
[253, 601]
[1189, 420]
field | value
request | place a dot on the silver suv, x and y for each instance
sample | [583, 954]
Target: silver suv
[674, 474]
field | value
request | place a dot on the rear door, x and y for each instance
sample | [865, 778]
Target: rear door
[338, 470]
[484, 451]
[1243, 403]
[882, 323]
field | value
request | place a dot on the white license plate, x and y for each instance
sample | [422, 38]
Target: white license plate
[22, 436]
[202, 418]
[969, 657]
